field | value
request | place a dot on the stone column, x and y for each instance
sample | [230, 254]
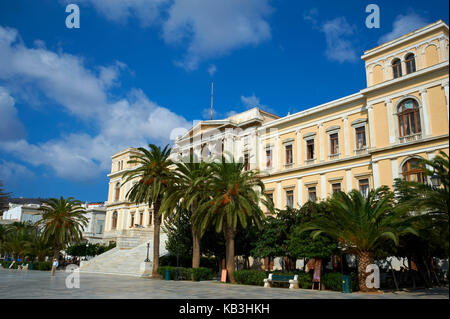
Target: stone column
[299, 192]
[390, 120]
[299, 147]
[376, 175]
[346, 140]
[445, 86]
[323, 187]
[321, 142]
[426, 119]
[371, 126]
[394, 167]
[276, 157]
[348, 180]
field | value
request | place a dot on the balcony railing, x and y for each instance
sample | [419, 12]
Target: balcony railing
[332, 157]
[360, 151]
[410, 138]
[310, 161]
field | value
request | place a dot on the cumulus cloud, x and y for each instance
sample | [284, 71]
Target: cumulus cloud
[133, 120]
[404, 24]
[215, 27]
[11, 173]
[10, 126]
[338, 34]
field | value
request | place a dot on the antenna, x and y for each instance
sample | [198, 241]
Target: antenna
[212, 96]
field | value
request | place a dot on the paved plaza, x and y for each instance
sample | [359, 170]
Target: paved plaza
[39, 284]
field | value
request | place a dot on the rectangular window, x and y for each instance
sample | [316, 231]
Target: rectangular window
[310, 149]
[132, 220]
[397, 70]
[312, 196]
[246, 163]
[100, 226]
[288, 151]
[290, 198]
[268, 158]
[360, 137]
[141, 218]
[334, 143]
[335, 187]
[364, 187]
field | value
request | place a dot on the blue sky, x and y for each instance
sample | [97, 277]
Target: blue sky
[136, 69]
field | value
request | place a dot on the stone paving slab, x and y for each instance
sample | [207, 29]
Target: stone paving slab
[40, 285]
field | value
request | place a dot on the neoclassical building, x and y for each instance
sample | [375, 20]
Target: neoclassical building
[360, 141]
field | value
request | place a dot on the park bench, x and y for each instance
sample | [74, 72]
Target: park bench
[22, 267]
[292, 280]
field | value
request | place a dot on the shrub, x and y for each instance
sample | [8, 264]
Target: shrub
[332, 281]
[250, 277]
[43, 265]
[202, 273]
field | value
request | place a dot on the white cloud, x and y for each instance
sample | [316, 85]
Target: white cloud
[215, 27]
[402, 25]
[212, 69]
[133, 120]
[147, 11]
[338, 33]
[10, 126]
[12, 174]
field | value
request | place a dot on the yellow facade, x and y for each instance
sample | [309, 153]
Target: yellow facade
[362, 139]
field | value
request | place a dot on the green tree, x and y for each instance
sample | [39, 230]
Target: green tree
[187, 191]
[270, 242]
[4, 198]
[153, 174]
[235, 195]
[62, 223]
[300, 243]
[360, 224]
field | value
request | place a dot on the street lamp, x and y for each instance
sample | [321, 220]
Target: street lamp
[435, 180]
[146, 259]
[87, 244]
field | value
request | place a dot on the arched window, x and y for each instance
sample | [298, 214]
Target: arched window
[410, 62]
[412, 172]
[408, 118]
[114, 221]
[397, 68]
[117, 192]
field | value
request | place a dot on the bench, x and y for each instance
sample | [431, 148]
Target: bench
[292, 280]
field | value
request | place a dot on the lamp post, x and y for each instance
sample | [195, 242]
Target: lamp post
[146, 259]
[178, 246]
[87, 244]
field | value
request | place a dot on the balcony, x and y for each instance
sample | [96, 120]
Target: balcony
[361, 151]
[333, 157]
[410, 138]
[310, 161]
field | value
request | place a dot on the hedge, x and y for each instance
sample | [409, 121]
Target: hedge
[250, 277]
[198, 274]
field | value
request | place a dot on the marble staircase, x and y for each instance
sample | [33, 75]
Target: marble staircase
[126, 258]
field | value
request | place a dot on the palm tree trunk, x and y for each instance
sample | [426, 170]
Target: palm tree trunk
[365, 258]
[195, 248]
[229, 234]
[156, 232]
[55, 257]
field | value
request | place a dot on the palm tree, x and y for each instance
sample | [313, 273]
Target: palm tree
[235, 195]
[154, 174]
[17, 239]
[4, 197]
[187, 191]
[62, 223]
[360, 224]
